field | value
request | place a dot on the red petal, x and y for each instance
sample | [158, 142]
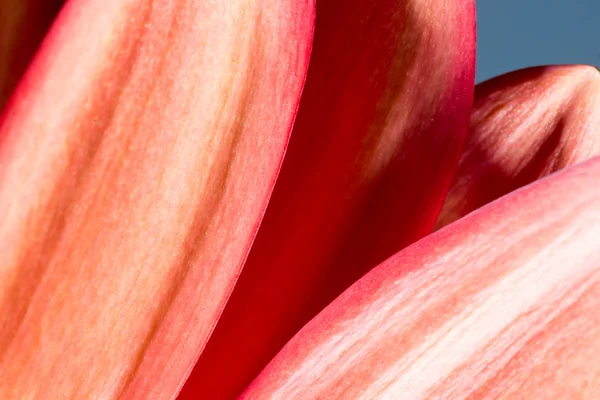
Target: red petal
[383, 115]
[501, 304]
[525, 125]
[23, 24]
[137, 158]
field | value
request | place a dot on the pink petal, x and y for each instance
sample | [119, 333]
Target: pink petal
[501, 304]
[136, 160]
[378, 134]
[525, 125]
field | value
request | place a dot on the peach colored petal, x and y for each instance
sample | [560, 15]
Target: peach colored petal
[502, 304]
[525, 125]
[378, 135]
[136, 160]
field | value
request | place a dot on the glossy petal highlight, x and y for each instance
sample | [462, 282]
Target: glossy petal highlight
[525, 125]
[501, 304]
[137, 158]
[374, 147]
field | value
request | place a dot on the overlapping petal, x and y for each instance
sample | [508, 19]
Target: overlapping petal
[136, 159]
[381, 121]
[138, 155]
[23, 24]
[525, 125]
[501, 304]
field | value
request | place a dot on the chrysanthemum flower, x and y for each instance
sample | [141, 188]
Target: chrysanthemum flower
[211, 199]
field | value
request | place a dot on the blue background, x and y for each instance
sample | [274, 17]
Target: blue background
[513, 34]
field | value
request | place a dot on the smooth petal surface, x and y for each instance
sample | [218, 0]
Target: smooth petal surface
[136, 160]
[525, 125]
[501, 304]
[23, 24]
[381, 121]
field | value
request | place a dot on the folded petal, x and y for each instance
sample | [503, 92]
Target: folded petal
[525, 125]
[501, 304]
[23, 24]
[382, 118]
[136, 161]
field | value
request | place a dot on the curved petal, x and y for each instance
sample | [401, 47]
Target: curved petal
[378, 133]
[23, 24]
[501, 304]
[137, 158]
[525, 125]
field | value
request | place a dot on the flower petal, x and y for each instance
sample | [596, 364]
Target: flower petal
[525, 125]
[136, 160]
[501, 304]
[23, 24]
[382, 118]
